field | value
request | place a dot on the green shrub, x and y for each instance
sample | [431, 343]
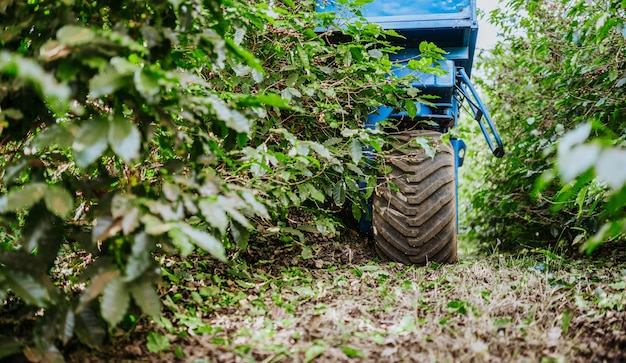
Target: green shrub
[133, 128]
[559, 65]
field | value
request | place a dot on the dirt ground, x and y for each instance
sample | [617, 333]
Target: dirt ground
[335, 302]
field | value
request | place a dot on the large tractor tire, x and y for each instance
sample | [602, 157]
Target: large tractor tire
[414, 217]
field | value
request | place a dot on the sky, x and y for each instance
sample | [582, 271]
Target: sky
[487, 33]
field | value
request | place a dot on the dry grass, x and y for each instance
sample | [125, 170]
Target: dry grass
[509, 309]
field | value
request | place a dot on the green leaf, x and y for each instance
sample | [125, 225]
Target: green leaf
[371, 184]
[130, 221]
[356, 151]
[307, 253]
[352, 353]
[293, 232]
[55, 135]
[38, 226]
[304, 58]
[67, 324]
[339, 193]
[205, 241]
[15, 171]
[115, 301]
[393, 187]
[292, 79]
[606, 232]
[426, 146]
[286, 94]
[313, 352]
[57, 95]
[214, 214]
[257, 207]
[167, 211]
[125, 139]
[232, 118]
[415, 65]
[375, 53]
[12, 113]
[147, 85]
[124, 40]
[357, 213]
[179, 353]
[75, 35]
[580, 200]
[120, 205]
[181, 241]
[58, 201]
[90, 142]
[140, 258]
[610, 167]
[244, 55]
[240, 234]
[407, 325]
[29, 287]
[270, 99]
[21, 199]
[566, 319]
[411, 108]
[89, 328]
[621, 285]
[314, 193]
[107, 82]
[98, 283]
[577, 160]
[616, 201]
[321, 150]
[230, 206]
[154, 226]
[550, 255]
[156, 342]
[146, 297]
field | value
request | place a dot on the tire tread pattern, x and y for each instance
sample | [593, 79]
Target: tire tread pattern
[415, 221]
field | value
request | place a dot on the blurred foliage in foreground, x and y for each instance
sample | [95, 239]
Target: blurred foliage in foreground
[556, 85]
[131, 127]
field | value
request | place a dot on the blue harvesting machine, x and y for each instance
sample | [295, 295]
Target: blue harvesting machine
[414, 207]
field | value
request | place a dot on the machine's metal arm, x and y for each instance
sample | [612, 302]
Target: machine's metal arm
[465, 88]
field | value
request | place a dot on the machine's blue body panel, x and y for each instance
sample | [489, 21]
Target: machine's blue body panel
[406, 9]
